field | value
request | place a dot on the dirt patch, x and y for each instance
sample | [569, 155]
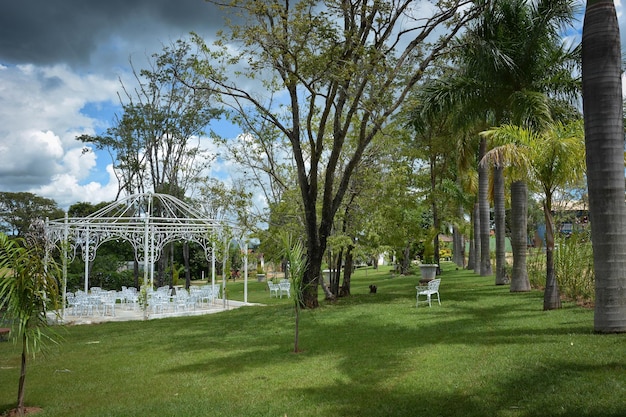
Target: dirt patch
[28, 411]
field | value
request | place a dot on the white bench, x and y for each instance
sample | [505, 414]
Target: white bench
[428, 290]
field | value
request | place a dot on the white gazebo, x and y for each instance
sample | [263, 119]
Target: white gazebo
[148, 221]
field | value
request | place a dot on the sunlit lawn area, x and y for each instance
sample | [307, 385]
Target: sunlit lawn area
[483, 352]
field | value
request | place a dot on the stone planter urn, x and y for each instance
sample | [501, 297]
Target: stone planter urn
[260, 277]
[429, 272]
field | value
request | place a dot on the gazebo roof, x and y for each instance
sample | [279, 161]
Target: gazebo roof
[136, 208]
[148, 221]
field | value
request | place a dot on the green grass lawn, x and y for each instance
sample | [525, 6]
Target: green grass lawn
[483, 352]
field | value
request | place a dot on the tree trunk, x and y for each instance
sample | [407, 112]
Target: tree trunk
[327, 292]
[470, 256]
[551, 296]
[162, 266]
[483, 202]
[21, 384]
[499, 217]
[347, 273]
[296, 338]
[477, 239]
[406, 262]
[458, 247]
[519, 236]
[436, 246]
[312, 274]
[604, 140]
[459, 241]
[335, 271]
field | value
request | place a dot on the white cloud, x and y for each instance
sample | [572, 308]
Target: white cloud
[40, 121]
[30, 154]
[66, 190]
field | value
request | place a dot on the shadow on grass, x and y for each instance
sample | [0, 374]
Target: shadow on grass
[526, 393]
[483, 352]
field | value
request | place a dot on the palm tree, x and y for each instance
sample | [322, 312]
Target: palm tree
[554, 158]
[28, 290]
[604, 137]
[513, 68]
[295, 255]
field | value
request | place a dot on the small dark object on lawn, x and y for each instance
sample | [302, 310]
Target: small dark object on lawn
[373, 289]
[4, 333]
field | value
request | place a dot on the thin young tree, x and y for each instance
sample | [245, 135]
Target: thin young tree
[29, 291]
[295, 256]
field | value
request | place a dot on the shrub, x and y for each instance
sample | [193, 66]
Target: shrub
[573, 262]
[536, 267]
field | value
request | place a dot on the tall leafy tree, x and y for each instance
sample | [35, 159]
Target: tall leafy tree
[155, 141]
[343, 69]
[433, 139]
[19, 210]
[604, 141]
[85, 208]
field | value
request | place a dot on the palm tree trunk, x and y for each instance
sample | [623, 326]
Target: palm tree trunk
[458, 247]
[296, 337]
[551, 296]
[470, 256]
[20, 389]
[499, 217]
[604, 139]
[483, 202]
[476, 238]
[519, 236]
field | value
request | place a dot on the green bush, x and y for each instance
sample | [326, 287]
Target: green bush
[536, 267]
[573, 262]
[107, 281]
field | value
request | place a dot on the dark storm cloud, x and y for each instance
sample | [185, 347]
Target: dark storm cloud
[44, 32]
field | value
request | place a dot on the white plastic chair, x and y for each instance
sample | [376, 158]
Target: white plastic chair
[160, 301]
[81, 304]
[274, 288]
[428, 290]
[183, 301]
[108, 300]
[285, 287]
[130, 296]
[72, 304]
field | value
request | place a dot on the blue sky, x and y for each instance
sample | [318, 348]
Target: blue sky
[61, 63]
